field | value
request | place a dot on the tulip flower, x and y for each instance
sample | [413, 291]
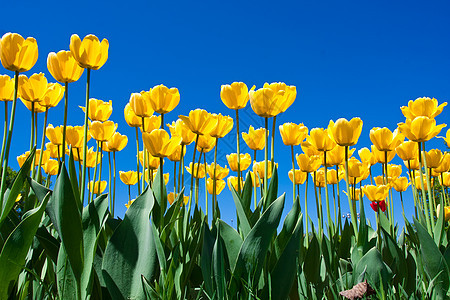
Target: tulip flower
[355, 194]
[233, 182]
[52, 96]
[34, 107]
[98, 187]
[171, 198]
[176, 155]
[345, 133]
[394, 171]
[130, 117]
[384, 139]
[336, 156]
[434, 158]
[235, 95]
[400, 184]
[300, 177]
[224, 124]
[159, 144]
[376, 193]
[332, 176]
[89, 52]
[51, 167]
[102, 131]
[6, 89]
[199, 121]
[417, 182]
[446, 138]
[421, 129]
[380, 156]
[128, 178]
[220, 185]
[22, 158]
[117, 142]
[444, 166]
[16, 53]
[259, 169]
[57, 151]
[151, 161]
[319, 178]
[162, 99]
[308, 164]
[98, 110]
[272, 99]
[310, 150]
[221, 172]
[379, 204]
[412, 164]
[63, 66]
[256, 182]
[151, 123]
[197, 171]
[180, 129]
[366, 156]
[407, 150]
[233, 161]
[205, 143]
[34, 88]
[424, 106]
[254, 138]
[293, 134]
[54, 134]
[91, 158]
[75, 136]
[320, 139]
[446, 179]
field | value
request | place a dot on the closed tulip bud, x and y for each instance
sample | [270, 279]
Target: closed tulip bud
[380, 155]
[245, 161]
[233, 182]
[63, 66]
[162, 99]
[54, 134]
[310, 150]
[99, 110]
[74, 136]
[117, 142]
[89, 53]
[444, 166]
[152, 162]
[380, 204]
[384, 139]
[400, 184]
[22, 158]
[176, 155]
[91, 158]
[205, 143]
[270, 100]
[320, 139]
[97, 187]
[199, 121]
[345, 133]
[446, 179]
[159, 144]
[394, 171]
[171, 198]
[140, 105]
[376, 193]
[407, 150]
[356, 168]
[300, 177]
[102, 131]
[53, 150]
[336, 156]
[424, 106]
[319, 178]
[16, 53]
[332, 176]
[151, 123]
[412, 164]
[256, 181]
[421, 129]
[52, 96]
[221, 172]
[131, 118]
[34, 88]
[381, 180]
[45, 156]
[37, 107]
[446, 212]
[129, 178]
[223, 127]
[6, 88]
[51, 167]
[198, 171]
[180, 129]
[234, 96]
[255, 139]
[293, 134]
[366, 156]
[417, 182]
[260, 167]
[220, 185]
[434, 158]
[307, 163]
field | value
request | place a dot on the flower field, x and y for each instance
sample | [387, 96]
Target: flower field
[61, 238]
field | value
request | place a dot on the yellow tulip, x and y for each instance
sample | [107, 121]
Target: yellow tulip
[400, 184]
[260, 167]
[310, 150]
[180, 129]
[220, 185]
[53, 150]
[22, 158]
[376, 193]
[151, 123]
[16, 53]
[152, 162]
[332, 177]
[256, 181]
[127, 205]
[234, 96]
[446, 212]
[307, 163]
[434, 158]
[336, 156]
[117, 142]
[45, 156]
[205, 143]
[224, 124]
[176, 155]
[102, 131]
[355, 194]
[74, 136]
[446, 138]
[199, 121]
[320, 178]
[424, 106]
[159, 144]
[407, 150]
[417, 183]
[34, 88]
[171, 198]
[255, 139]
[221, 172]
[162, 99]
[130, 117]
[319, 138]
[54, 134]
[198, 171]
[63, 66]
[272, 99]
[89, 53]
[97, 187]
[356, 168]
[293, 134]
[90, 158]
[394, 171]
[99, 110]
[245, 160]
[345, 133]
[366, 156]
[51, 167]
[421, 129]
[6, 88]
[381, 180]
[37, 107]
[444, 166]
[53, 95]
[446, 177]
[300, 176]
[140, 105]
[384, 139]
[233, 182]
[380, 155]
[413, 164]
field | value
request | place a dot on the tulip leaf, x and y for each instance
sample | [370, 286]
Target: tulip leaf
[410, 285]
[346, 241]
[49, 243]
[11, 194]
[246, 194]
[254, 248]
[232, 241]
[273, 188]
[160, 199]
[394, 258]
[439, 229]
[74, 180]
[312, 261]
[218, 267]
[433, 262]
[68, 222]
[206, 258]
[374, 270]
[289, 225]
[65, 279]
[16, 247]
[131, 251]
[244, 225]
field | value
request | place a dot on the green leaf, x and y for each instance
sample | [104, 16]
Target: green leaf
[254, 248]
[232, 241]
[68, 222]
[218, 267]
[49, 243]
[376, 271]
[246, 194]
[65, 279]
[394, 258]
[410, 285]
[346, 241]
[16, 247]
[311, 265]
[433, 261]
[206, 258]
[74, 180]
[160, 199]
[131, 251]
[439, 229]
[273, 188]
[289, 225]
[244, 225]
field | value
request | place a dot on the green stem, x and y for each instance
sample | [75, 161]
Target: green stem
[338, 200]
[306, 210]
[5, 134]
[206, 189]
[175, 178]
[86, 114]
[66, 104]
[401, 200]
[256, 178]
[352, 212]
[266, 154]
[101, 168]
[114, 182]
[42, 145]
[95, 174]
[137, 165]
[129, 193]
[197, 177]
[109, 183]
[214, 201]
[161, 190]
[144, 156]
[430, 226]
[293, 173]
[430, 195]
[238, 152]
[192, 170]
[180, 168]
[330, 222]
[378, 228]
[32, 126]
[273, 141]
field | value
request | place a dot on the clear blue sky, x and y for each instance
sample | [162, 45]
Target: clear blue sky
[347, 59]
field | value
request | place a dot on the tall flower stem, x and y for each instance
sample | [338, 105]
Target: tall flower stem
[144, 154]
[238, 152]
[306, 210]
[114, 181]
[95, 175]
[86, 114]
[192, 170]
[378, 228]
[430, 226]
[32, 126]
[339, 219]
[161, 189]
[214, 201]
[401, 200]
[350, 205]
[129, 193]
[175, 178]
[42, 145]
[66, 104]
[293, 170]
[430, 194]
[414, 191]
[101, 168]
[273, 140]
[389, 199]
[197, 177]
[79, 168]
[5, 134]
[180, 169]
[206, 189]
[137, 165]
[256, 178]
[266, 154]
[330, 222]
[109, 183]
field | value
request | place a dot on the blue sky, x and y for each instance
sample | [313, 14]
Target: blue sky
[347, 59]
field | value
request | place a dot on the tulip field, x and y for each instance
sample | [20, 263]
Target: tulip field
[61, 236]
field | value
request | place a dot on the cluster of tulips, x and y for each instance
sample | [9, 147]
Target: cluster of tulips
[327, 153]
